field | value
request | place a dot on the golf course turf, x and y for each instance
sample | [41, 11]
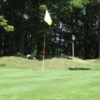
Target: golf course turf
[31, 84]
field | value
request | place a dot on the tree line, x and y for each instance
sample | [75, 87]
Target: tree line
[22, 27]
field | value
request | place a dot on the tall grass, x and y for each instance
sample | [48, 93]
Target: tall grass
[51, 63]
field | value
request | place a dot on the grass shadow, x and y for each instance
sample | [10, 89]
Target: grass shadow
[48, 57]
[2, 64]
[67, 57]
[76, 68]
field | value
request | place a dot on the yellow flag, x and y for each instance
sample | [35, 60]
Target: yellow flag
[47, 18]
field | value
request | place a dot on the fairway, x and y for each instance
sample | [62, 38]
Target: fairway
[29, 84]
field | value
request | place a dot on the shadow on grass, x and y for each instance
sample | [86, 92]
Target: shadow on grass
[52, 56]
[76, 68]
[67, 57]
[2, 64]
[47, 57]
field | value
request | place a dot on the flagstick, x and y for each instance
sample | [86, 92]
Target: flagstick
[44, 48]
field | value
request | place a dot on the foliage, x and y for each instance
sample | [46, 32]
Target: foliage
[26, 20]
[42, 7]
[34, 53]
[26, 16]
[79, 3]
[3, 22]
[4, 0]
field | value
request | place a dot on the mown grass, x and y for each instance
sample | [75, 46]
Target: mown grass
[23, 79]
[28, 84]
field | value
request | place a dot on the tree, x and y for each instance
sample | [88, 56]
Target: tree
[78, 17]
[4, 27]
[99, 31]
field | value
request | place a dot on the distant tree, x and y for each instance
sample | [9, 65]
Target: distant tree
[99, 31]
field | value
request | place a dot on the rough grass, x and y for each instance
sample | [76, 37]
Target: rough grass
[51, 63]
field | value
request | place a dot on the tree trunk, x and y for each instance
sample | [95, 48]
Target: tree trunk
[18, 38]
[86, 35]
[86, 49]
[1, 43]
[99, 31]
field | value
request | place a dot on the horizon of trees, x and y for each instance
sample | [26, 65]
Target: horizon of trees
[22, 27]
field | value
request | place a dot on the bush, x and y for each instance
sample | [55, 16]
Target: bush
[34, 53]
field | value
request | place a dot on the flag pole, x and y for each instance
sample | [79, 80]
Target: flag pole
[47, 19]
[44, 48]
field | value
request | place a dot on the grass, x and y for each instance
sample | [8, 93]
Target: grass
[51, 63]
[22, 79]
[28, 84]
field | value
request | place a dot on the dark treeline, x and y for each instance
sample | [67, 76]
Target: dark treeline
[22, 27]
